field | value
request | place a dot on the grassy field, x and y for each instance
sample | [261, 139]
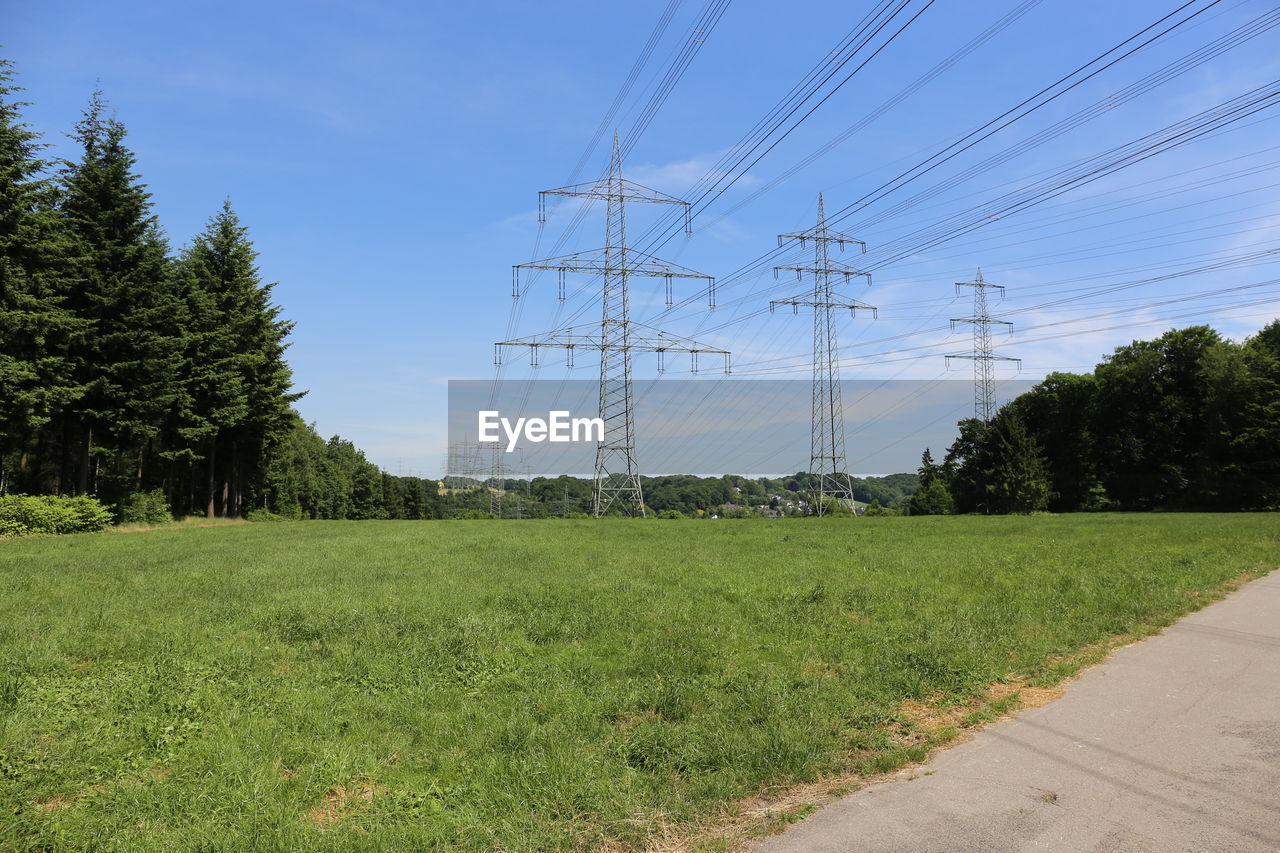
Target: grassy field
[530, 685]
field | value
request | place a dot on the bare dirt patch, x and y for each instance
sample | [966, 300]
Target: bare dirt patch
[822, 669]
[934, 716]
[628, 721]
[53, 804]
[342, 802]
[1028, 696]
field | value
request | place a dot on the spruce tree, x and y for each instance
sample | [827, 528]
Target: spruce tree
[35, 379]
[932, 497]
[239, 383]
[128, 354]
[929, 470]
[1017, 480]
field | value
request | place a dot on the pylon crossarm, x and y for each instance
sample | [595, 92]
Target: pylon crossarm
[982, 285]
[570, 341]
[829, 269]
[600, 261]
[623, 189]
[970, 356]
[634, 345]
[821, 235]
[837, 303]
[987, 320]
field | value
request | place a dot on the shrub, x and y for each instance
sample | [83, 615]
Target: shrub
[836, 507]
[671, 513]
[265, 515]
[23, 515]
[933, 499]
[145, 508]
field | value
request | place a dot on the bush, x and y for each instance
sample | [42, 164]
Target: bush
[933, 499]
[24, 515]
[671, 513]
[266, 515]
[836, 507]
[876, 509]
[145, 508]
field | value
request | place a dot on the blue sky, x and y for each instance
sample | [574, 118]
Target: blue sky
[387, 156]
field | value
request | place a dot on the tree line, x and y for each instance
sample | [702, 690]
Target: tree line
[127, 367]
[310, 478]
[1188, 421]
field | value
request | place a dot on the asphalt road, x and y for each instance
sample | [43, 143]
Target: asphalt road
[1171, 745]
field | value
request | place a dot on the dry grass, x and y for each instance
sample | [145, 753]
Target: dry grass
[342, 802]
[187, 523]
[52, 804]
[936, 723]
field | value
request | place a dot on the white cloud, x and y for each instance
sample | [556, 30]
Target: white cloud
[679, 176]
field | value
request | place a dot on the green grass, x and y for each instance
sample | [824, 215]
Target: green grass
[528, 685]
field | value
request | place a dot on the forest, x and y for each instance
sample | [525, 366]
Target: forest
[1188, 421]
[127, 367]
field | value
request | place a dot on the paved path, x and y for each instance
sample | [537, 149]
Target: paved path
[1172, 745]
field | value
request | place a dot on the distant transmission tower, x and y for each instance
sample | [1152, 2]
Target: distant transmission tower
[826, 441]
[463, 466]
[497, 475]
[983, 356]
[617, 476]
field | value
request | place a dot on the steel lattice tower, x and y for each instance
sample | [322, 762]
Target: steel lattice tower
[497, 476]
[826, 441]
[983, 355]
[617, 476]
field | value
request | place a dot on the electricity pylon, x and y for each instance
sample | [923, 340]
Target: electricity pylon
[983, 356]
[463, 467]
[826, 439]
[497, 479]
[617, 476]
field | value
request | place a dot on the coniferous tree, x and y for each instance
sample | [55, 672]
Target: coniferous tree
[1017, 480]
[965, 465]
[237, 402]
[127, 355]
[121, 370]
[932, 497]
[35, 380]
[929, 470]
